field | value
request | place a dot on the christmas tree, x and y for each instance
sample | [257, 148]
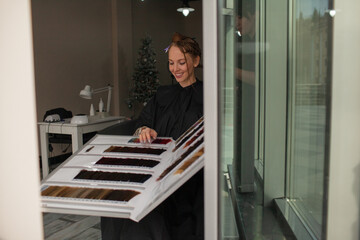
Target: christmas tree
[145, 77]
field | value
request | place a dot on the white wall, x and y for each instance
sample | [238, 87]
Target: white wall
[211, 113]
[20, 216]
[344, 183]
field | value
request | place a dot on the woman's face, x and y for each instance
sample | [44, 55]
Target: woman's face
[246, 25]
[183, 70]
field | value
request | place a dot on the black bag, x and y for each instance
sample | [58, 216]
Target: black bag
[63, 113]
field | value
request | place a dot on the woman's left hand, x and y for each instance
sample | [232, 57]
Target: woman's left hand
[147, 135]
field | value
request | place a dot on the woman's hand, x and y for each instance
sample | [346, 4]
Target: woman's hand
[147, 135]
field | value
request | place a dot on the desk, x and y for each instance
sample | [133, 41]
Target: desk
[75, 130]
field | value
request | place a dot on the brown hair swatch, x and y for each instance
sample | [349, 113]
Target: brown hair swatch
[89, 193]
[190, 161]
[194, 138]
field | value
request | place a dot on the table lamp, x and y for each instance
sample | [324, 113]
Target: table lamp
[87, 93]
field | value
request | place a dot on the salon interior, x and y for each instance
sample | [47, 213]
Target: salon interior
[281, 106]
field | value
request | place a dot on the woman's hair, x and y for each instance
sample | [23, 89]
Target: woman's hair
[186, 45]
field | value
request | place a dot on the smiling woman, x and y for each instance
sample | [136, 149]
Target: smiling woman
[171, 111]
[176, 103]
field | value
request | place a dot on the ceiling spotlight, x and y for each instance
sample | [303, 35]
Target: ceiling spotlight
[185, 9]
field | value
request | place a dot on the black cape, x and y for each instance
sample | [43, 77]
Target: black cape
[173, 109]
[170, 112]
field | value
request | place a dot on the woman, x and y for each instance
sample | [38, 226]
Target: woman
[175, 108]
[169, 113]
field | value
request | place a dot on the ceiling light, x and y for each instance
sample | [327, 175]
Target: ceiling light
[185, 9]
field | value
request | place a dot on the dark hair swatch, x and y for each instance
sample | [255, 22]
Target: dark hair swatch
[162, 141]
[181, 158]
[89, 193]
[194, 138]
[190, 161]
[187, 137]
[127, 162]
[113, 176]
[201, 120]
[154, 151]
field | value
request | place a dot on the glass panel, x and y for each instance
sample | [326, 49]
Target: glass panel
[259, 85]
[246, 93]
[309, 81]
[239, 104]
[226, 85]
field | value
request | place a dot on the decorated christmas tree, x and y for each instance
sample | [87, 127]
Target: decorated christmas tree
[145, 77]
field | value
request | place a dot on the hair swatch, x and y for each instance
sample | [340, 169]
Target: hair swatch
[194, 138]
[189, 129]
[89, 149]
[113, 176]
[187, 137]
[190, 161]
[162, 141]
[127, 162]
[89, 193]
[180, 159]
[142, 150]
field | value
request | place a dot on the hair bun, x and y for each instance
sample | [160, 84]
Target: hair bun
[177, 37]
[185, 44]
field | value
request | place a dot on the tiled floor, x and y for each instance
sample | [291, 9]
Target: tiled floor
[75, 227]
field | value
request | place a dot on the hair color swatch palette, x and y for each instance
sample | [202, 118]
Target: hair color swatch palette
[89, 193]
[113, 176]
[127, 162]
[117, 176]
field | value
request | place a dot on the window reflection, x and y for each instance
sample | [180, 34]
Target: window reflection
[245, 89]
[310, 81]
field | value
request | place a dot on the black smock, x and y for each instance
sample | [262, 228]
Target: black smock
[170, 113]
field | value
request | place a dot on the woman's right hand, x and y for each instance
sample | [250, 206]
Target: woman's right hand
[147, 135]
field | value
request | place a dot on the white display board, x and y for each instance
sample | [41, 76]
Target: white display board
[117, 176]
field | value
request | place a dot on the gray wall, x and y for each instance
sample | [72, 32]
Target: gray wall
[160, 19]
[96, 42]
[72, 47]
[77, 43]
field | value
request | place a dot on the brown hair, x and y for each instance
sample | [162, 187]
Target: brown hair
[186, 45]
